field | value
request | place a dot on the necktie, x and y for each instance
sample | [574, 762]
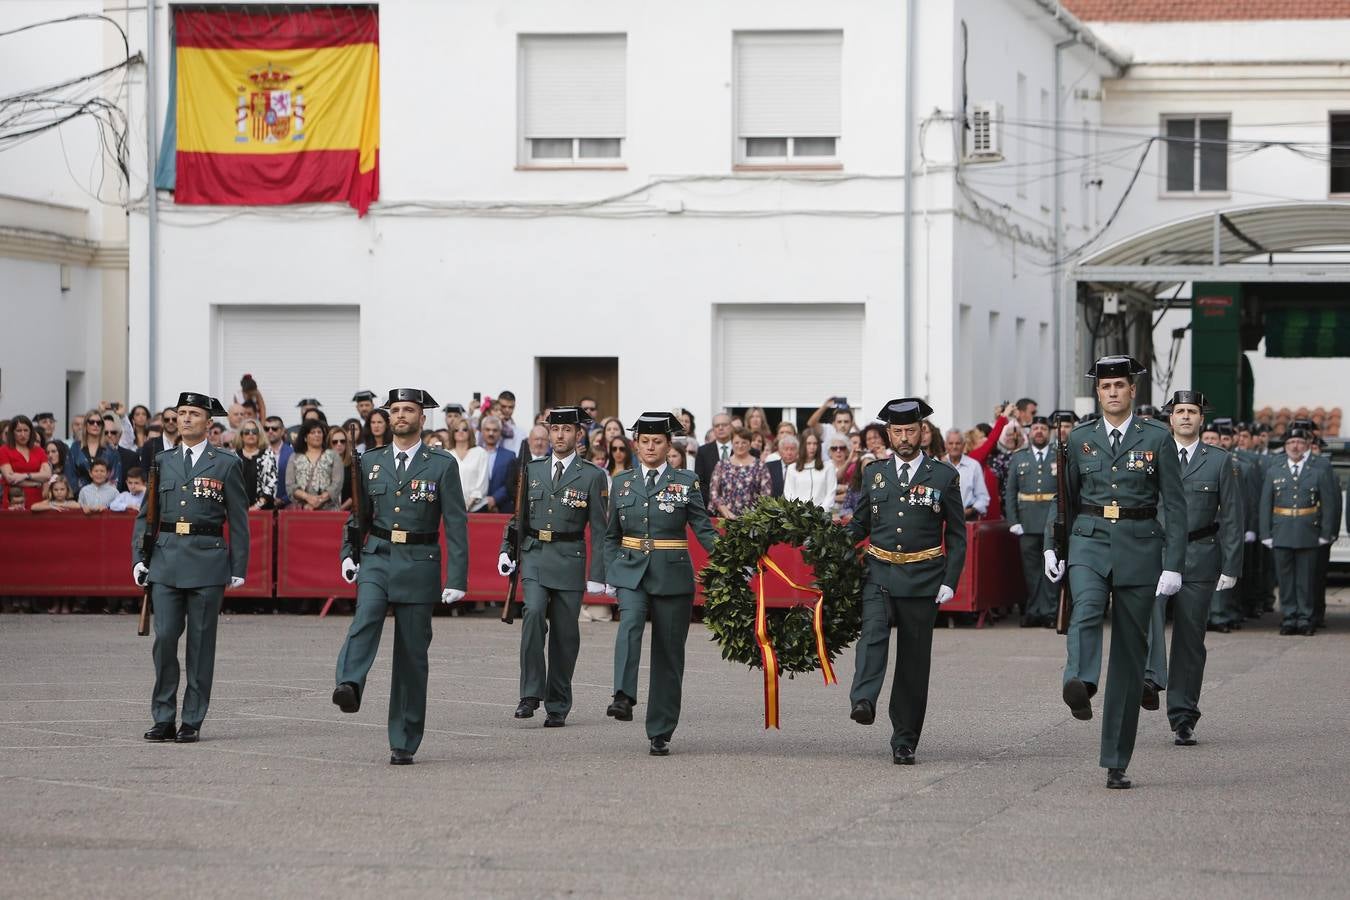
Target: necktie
[726, 451]
[904, 474]
[651, 480]
[187, 458]
[1040, 457]
[1296, 470]
[1115, 440]
[1183, 457]
[557, 471]
[402, 463]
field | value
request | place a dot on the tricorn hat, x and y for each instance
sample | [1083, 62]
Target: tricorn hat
[363, 395]
[1303, 433]
[1146, 411]
[455, 408]
[202, 401]
[568, 415]
[410, 395]
[1116, 367]
[1040, 420]
[309, 401]
[1190, 398]
[1062, 415]
[1224, 426]
[655, 423]
[904, 411]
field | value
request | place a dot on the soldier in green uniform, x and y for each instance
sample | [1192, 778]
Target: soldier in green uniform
[1225, 607]
[1122, 471]
[1063, 421]
[201, 493]
[1252, 471]
[565, 494]
[1296, 521]
[1215, 512]
[1332, 493]
[912, 516]
[408, 491]
[652, 506]
[365, 405]
[1028, 495]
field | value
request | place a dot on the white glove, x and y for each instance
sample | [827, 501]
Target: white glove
[611, 590]
[944, 594]
[1322, 542]
[1054, 569]
[236, 582]
[504, 566]
[450, 595]
[749, 572]
[1016, 529]
[139, 573]
[595, 587]
[1249, 537]
[1269, 543]
[349, 570]
[1169, 583]
[1226, 582]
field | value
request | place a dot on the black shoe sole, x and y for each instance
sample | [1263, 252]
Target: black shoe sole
[863, 717]
[664, 751]
[524, 715]
[159, 740]
[400, 762]
[1122, 786]
[903, 760]
[1078, 699]
[622, 716]
[1187, 742]
[346, 700]
[555, 723]
[186, 739]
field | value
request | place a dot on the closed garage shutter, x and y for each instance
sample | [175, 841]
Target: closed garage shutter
[293, 352]
[788, 355]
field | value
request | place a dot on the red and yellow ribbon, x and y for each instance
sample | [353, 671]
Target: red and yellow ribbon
[766, 654]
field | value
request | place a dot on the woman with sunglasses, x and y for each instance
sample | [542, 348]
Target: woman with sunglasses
[473, 464]
[260, 465]
[847, 477]
[86, 449]
[340, 442]
[314, 474]
[618, 458]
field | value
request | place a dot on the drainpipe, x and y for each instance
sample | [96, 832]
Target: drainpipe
[152, 207]
[1057, 313]
[907, 264]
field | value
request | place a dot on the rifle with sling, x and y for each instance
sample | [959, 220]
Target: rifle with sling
[515, 533]
[148, 544]
[1065, 608]
[356, 523]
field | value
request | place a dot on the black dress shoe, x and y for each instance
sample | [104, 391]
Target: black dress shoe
[525, 709]
[1221, 629]
[555, 720]
[186, 735]
[346, 697]
[863, 713]
[400, 758]
[903, 756]
[1307, 630]
[1149, 700]
[1288, 630]
[1185, 737]
[163, 731]
[1029, 622]
[1078, 698]
[1116, 780]
[621, 708]
[660, 747]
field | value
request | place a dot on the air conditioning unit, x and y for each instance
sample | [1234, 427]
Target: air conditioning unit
[986, 133]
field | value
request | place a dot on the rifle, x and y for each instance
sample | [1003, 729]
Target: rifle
[356, 522]
[515, 533]
[148, 544]
[1065, 608]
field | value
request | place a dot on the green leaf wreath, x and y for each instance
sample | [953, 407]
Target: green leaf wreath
[729, 600]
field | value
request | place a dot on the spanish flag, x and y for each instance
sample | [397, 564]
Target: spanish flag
[277, 106]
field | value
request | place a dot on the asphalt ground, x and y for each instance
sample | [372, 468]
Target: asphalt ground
[286, 797]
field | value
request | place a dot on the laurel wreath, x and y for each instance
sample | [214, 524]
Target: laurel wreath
[729, 597]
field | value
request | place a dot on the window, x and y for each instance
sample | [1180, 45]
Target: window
[1340, 153]
[788, 97]
[573, 99]
[1197, 154]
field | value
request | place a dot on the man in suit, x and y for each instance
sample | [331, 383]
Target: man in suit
[788, 448]
[647, 566]
[565, 494]
[1215, 513]
[201, 493]
[912, 516]
[167, 440]
[501, 489]
[1029, 495]
[1296, 522]
[1122, 472]
[407, 492]
[716, 450]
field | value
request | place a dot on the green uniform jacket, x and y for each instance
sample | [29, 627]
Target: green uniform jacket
[1213, 493]
[1253, 472]
[1315, 488]
[676, 506]
[909, 521]
[1145, 472]
[211, 494]
[581, 497]
[1026, 476]
[428, 494]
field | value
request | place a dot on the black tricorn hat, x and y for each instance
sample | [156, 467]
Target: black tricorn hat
[456, 408]
[43, 415]
[905, 411]
[202, 401]
[1191, 398]
[309, 401]
[654, 423]
[1040, 420]
[1062, 415]
[1305, 424]
[1303, 433]
[568, 415]
[1146, 411]
[1224, 426]
[410, 395]
[1116, 367]
[363, 395]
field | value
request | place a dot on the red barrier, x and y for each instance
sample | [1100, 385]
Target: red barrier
[992, 577]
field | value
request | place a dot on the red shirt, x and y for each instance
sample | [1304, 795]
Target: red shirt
[23, 464]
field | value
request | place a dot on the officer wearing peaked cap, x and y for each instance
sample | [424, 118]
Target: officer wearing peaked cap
[1029, 495]
[201, 494]
[1298, 505]
[652, 508]
[1122, 473]
[912, 516]
[406, 492]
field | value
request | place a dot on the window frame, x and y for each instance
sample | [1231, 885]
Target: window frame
[741, 161]
[1196, 119]
[525, 159]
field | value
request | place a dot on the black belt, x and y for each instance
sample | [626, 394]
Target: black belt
[406, 537]
[191, 528]
[1197, 534]
[551, 537]
[1119, 512]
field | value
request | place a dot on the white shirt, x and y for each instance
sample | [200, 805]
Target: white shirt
[1295, 467]
[1189, 448]
[660, 471]
[473, 476]
[974, 492]
[566, 462]
[913, 466]
[1123, 428]
[814, 486]
[194, 453]
[723, 451]
[411, 451]
[1039, 453]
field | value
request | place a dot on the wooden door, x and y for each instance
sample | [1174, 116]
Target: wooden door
[564, 380]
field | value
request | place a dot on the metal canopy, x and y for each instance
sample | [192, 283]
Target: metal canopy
[1239, 244]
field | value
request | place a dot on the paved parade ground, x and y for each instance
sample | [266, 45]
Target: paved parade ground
[286, 797]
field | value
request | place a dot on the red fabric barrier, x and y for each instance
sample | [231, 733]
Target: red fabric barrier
[992, 577]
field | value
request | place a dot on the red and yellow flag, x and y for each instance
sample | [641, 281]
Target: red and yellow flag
[276, 106]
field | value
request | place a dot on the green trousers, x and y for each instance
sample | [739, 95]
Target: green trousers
[1296, 572]
[553, 615]
[914, 618]
[670, 628]
[1130, 612]
[408, 685]
[1190, 611]
[196, 610]
[1225, 607]
[1042, 594]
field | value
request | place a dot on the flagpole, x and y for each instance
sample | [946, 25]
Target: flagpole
[152, 205]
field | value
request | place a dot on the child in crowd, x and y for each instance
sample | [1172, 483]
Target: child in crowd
[16, 498]
[131, 498]
[95, 496]
[57, 495]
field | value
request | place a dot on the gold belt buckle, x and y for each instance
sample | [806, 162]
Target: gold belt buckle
[647, 543]
[546, 536]
[182, 528]
[1111, 512]
[398, 537]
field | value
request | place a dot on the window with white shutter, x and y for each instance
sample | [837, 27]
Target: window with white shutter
[268, 342]
[573, 99]
[787, 354]
[788, 97]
